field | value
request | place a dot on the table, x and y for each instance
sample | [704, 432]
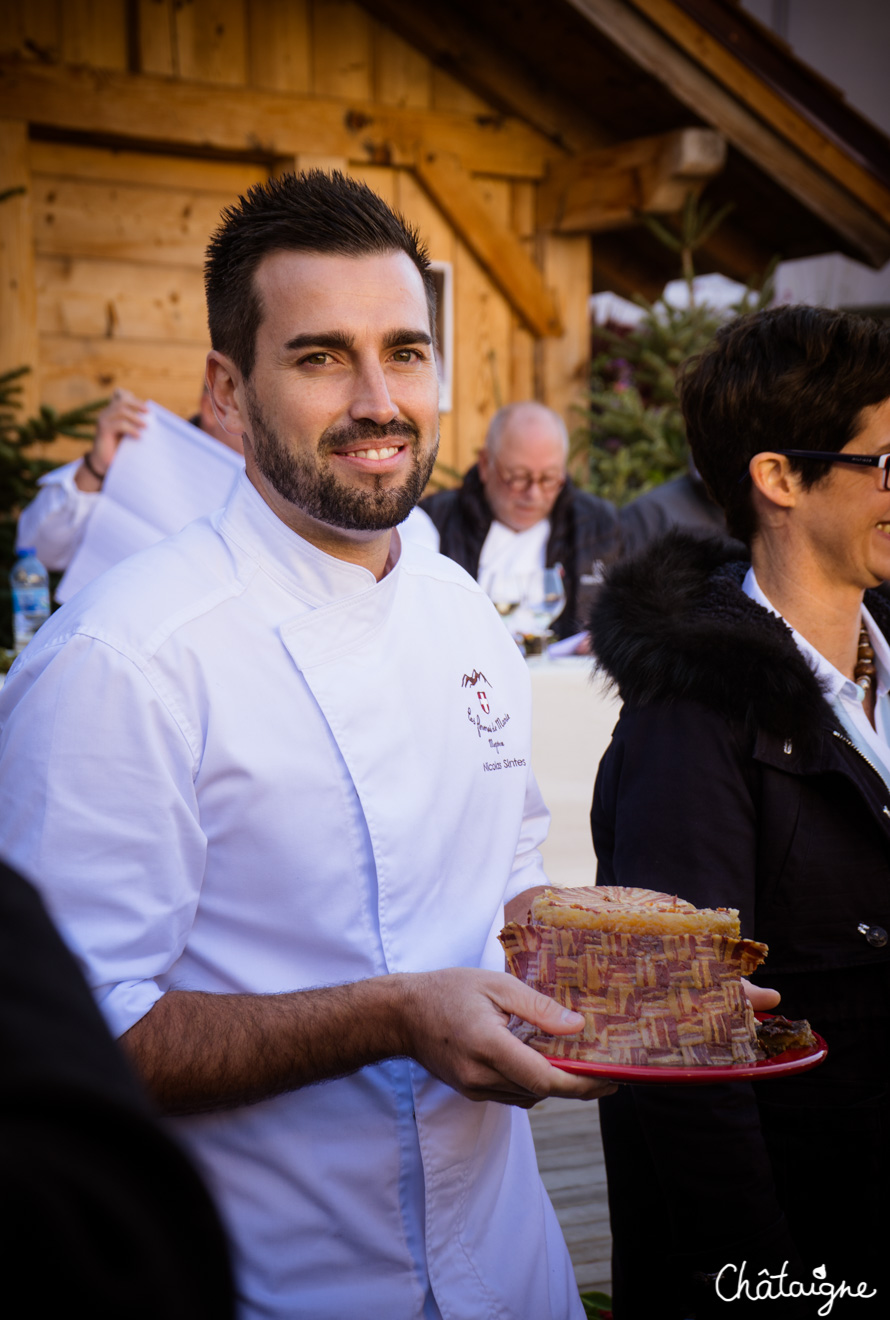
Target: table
[573, 715]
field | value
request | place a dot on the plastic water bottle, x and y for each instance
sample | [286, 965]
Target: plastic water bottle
[29, 581]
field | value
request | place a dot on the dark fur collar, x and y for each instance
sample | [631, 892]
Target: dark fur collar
[674, 623]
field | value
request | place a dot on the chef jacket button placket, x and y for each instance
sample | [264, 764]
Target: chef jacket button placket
[875, 935]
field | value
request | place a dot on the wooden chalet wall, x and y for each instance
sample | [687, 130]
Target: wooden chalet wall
[129, 125]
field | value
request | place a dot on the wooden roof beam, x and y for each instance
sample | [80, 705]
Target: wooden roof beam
[867, 235]
[609, 187]
[497, 248]
[770, 105]
[170, 113]
[453, 43]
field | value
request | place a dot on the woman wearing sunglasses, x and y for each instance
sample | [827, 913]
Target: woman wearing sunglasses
[750, 768]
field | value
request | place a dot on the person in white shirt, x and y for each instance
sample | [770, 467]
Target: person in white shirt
[517, 511]
[56, 519]
[272, 777]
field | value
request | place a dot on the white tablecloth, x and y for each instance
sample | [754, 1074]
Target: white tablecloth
[572, 721]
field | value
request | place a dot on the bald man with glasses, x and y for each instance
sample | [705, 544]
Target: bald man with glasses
[517, 510]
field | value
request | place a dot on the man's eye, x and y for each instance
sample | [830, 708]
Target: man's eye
[408, 355]
[315, 359]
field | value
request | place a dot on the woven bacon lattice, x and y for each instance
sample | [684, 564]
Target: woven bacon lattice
[671, 1000]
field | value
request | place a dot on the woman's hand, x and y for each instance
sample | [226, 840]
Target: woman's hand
[760, 997]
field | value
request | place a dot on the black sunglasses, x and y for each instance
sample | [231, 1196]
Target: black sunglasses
[881, 461]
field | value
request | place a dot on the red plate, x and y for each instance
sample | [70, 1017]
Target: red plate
[780, 1065]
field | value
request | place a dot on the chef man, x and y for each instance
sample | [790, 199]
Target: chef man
[272, 776]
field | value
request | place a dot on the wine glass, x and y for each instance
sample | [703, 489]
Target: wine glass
[506, 594]
[545, 596]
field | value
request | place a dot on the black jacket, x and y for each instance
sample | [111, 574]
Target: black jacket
[729, 781]
[583, 532]
[103, 1211]
[680, 503]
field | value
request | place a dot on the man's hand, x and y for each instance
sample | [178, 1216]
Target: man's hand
[125, 416]
[760, 997]
[457, 1024]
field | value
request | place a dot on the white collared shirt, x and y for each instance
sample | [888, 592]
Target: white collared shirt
[507, 555]
[843, 695]
[235, 764]
[55, 521]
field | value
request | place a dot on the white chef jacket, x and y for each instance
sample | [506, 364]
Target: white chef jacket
[237, 764]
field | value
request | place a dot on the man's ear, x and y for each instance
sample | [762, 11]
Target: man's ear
[483, 464]
[226, 391]
[774, 479]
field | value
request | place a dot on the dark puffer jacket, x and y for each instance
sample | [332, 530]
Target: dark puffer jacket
[730, 782]
[583, 531]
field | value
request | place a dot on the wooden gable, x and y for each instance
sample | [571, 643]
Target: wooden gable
[509, 133]
[128, 127]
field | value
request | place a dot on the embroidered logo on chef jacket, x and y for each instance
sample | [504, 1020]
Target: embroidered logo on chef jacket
[489, 725]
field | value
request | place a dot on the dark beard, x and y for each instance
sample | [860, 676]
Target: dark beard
[315, 490]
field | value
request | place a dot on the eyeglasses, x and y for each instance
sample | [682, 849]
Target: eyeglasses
[520, 482]
[880, 461]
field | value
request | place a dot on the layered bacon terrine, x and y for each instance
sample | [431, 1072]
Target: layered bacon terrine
[658, 980]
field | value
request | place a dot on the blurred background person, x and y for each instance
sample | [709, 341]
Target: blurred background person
[682, 502]
[53, 524]
[517, 511]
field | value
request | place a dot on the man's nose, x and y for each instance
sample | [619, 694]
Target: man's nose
[371, 399]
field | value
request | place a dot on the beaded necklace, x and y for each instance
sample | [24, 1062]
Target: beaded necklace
[865, 671]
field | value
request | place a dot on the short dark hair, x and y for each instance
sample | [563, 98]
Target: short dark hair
[307, 212]
[788, 378]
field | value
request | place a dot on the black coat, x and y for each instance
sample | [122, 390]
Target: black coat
[583, 532]
[729, 782]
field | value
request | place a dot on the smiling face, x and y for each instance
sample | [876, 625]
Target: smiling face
[845, 518]
[340, 412]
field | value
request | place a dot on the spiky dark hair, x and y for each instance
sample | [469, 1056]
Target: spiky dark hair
[307, 212]
[788, 378]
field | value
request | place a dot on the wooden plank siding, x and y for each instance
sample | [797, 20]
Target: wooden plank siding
[126, 182]
[18, 324]
[119, 240]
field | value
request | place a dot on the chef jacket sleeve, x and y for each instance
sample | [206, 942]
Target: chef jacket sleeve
[528, 865]
[98, 806]
[53, 524]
